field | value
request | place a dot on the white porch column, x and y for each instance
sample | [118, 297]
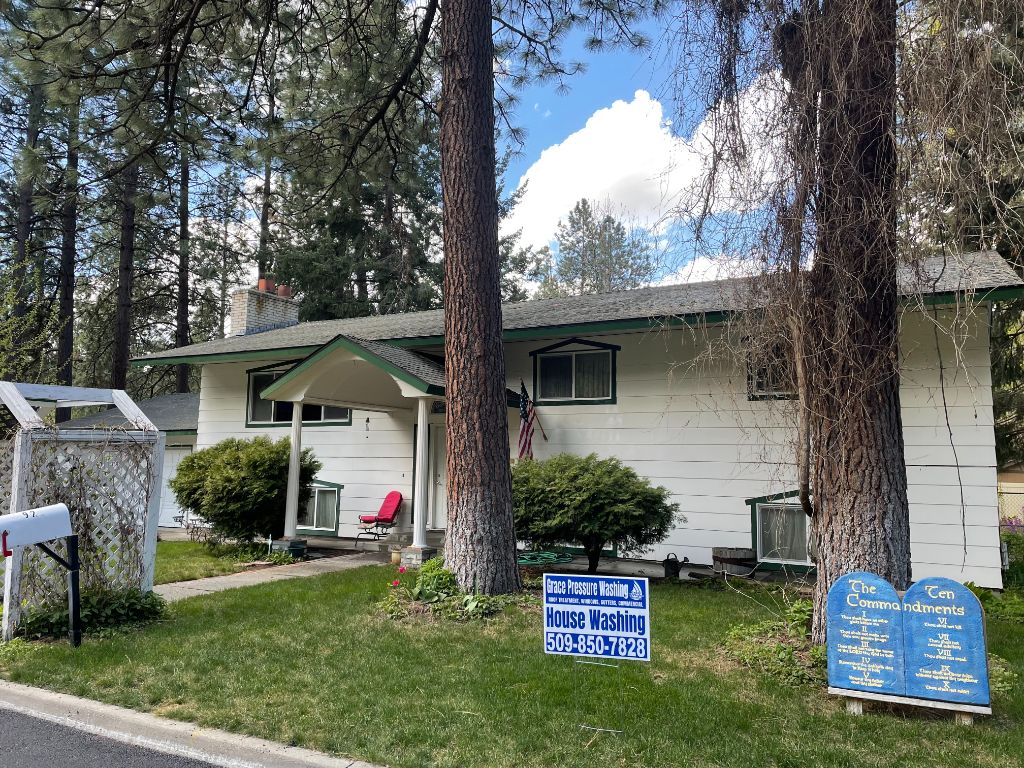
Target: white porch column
[419, 534]
[291, 507]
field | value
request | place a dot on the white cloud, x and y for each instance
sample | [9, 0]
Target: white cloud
[628, 157]
[701, 269]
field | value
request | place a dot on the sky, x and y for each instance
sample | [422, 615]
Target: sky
[607, 139]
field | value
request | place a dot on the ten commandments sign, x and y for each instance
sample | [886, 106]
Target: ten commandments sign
[865, 635]
[929, 645]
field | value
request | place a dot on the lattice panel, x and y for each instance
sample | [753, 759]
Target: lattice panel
[6, 474]
[105, 485]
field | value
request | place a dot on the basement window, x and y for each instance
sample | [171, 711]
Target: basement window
[321, 512]
[783, 535]
[273, 413]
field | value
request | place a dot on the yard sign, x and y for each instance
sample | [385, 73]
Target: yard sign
[599, 616]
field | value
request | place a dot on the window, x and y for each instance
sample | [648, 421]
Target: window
[783, 535]
[770, 374]
[575, 375]
[321, 511]
[272, 412]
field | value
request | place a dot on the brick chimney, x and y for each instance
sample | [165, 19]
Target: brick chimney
[255, 311]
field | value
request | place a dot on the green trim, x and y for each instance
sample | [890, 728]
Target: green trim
[600, 345]
[226, 357]
[179, 432]
[612, 349]
[763, 564]
[337, 509]
[284, 424]
[275, 366]
[343, 342]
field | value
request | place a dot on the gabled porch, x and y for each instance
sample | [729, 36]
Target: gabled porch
[370, 376]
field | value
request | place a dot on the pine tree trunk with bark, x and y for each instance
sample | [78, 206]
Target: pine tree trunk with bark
[861, 517]
[480, 544]
[125, 278]
[26, 215]
[66, 273]
[181, 325]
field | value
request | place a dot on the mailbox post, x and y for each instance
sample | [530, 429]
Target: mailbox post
[36, 527]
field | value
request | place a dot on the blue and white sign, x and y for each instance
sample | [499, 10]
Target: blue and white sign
[944, 633]
[929, 645]
[865, 635]
[602, 616]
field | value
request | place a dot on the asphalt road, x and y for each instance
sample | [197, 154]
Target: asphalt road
[27, 742]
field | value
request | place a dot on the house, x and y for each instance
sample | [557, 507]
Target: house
[622, 374]
[177, 416]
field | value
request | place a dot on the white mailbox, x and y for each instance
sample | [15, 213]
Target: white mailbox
[34, 526]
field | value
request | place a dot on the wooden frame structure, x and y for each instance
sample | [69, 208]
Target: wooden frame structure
[117, 527]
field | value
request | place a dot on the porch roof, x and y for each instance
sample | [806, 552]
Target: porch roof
[323, 375]
[985, 275]
[363, 373]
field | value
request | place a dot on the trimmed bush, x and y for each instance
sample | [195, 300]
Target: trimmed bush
[239, 486]
[591, 502]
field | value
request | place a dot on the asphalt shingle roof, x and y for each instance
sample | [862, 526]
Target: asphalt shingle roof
[420, 366]
[975, 272]
[169, 413]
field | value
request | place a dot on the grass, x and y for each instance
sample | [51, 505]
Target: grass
[188, 560]
[309, 662]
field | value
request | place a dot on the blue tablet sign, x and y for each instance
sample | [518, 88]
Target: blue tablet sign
[944, 633]
[929, 645]
[602, 616]
[865, 635]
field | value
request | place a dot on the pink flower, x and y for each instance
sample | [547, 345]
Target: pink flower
[401, 569]
[395, 583]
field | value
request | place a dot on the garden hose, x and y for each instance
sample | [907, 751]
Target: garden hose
[539, 558]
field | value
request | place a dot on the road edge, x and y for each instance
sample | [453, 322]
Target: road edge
[172, 737]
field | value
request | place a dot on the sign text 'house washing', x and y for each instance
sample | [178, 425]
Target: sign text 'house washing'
[602, 616]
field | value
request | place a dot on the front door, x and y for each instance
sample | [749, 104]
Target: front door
[438, 477]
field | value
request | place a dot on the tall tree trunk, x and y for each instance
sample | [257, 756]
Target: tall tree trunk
[181, 326]
[861, 517]
[263, 259]
[26, 215]
[125, 277]
[480, 545]
[66, 275]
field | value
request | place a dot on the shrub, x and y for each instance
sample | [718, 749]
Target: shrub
[101, 610]
[1013, 534]
[239, 486]
[588, 501]
[434, 582]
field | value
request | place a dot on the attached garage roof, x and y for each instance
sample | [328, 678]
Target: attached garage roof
[983, 272]
[169, 413]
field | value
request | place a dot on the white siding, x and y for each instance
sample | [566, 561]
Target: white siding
[689, 426]
[370, 458]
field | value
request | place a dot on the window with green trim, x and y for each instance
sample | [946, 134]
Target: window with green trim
[783, 535]
[574, 375]
[321, 512]
[271, 412]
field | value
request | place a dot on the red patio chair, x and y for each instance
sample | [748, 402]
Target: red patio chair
[379, 525]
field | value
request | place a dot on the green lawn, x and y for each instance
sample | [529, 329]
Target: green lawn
[188, 560]
[308, 662]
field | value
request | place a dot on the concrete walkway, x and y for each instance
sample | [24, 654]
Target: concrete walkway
[205, 746]
[179, 590]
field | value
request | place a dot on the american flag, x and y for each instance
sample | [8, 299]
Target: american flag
[527, 418]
